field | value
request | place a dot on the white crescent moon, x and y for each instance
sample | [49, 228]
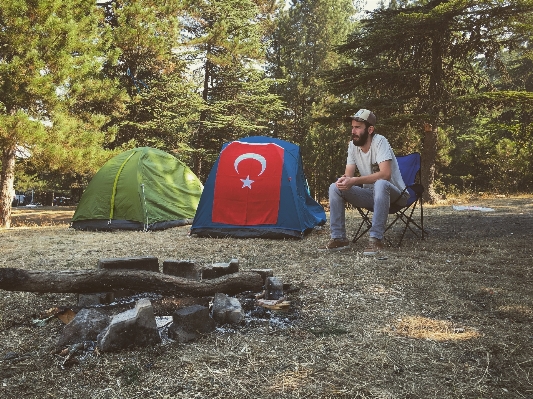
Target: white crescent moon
[251, 155]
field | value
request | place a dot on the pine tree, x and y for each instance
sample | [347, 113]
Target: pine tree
[500, 138]
[162, 103]
[224, 40]
[302, 51]
[50, 87]
[419, 64]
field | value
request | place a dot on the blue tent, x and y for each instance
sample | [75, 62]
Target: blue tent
[257, 188]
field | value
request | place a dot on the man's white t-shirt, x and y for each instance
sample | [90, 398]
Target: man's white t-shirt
[380, 150]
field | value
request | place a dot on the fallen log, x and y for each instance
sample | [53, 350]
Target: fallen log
[91, 281]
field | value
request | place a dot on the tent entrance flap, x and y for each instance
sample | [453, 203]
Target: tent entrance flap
[115, 182]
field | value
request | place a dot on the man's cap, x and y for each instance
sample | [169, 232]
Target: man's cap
[365, 115]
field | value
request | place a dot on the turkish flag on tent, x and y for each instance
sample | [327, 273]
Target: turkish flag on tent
[248, 184]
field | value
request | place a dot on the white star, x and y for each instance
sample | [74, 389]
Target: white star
[247, 182]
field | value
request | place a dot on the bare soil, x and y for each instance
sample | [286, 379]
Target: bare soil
[447, 317]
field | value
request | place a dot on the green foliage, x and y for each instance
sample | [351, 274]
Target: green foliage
[51, 56]
[495, 148]
[80, 81]
[302, 51]
[434, 62]
[160, 117]
[325, 145]
[493, 155]
[161, 103]
[224, 40]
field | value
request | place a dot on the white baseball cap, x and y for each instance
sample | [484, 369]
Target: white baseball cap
[365, 115]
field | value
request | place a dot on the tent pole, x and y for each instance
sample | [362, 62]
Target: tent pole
[145, 209]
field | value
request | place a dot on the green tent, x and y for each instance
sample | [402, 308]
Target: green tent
[139, 189]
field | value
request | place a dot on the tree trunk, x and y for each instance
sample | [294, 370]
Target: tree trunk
[436, 93]
[198, 137]
[429, 156]
[7, 177]
[91, 281]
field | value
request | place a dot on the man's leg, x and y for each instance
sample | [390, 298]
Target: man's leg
[357, 196]
[337, 217]
[384, 194]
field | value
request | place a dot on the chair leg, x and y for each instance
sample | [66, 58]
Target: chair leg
[361, 231]
[422, 217]
[408, 221]
[403, 233]
[405, 215]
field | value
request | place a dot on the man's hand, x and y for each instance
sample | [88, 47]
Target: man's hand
[344, 182]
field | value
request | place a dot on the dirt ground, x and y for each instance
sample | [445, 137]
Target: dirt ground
[447, 317]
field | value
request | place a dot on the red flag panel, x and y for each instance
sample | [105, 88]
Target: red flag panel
[248, 184]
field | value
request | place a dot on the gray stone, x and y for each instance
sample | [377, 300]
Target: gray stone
[216, 270]
[182, 268]
[273, 288]
[190, 322]
[148, 263]
[135, 327]
[85, 326]
[227, 310]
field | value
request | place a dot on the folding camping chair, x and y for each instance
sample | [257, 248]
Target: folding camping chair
[410, 169]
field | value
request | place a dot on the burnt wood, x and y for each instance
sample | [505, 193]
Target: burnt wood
[91, 281]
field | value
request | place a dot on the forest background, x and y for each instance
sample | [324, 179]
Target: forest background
[83, 80]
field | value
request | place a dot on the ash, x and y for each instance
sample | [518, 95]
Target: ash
[260, 318]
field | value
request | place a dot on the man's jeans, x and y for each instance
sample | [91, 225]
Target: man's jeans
[379, 198]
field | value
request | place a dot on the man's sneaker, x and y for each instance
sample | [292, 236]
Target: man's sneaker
[374, 246]
[336, 244]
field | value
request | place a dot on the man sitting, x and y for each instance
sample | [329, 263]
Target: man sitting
[378, 185]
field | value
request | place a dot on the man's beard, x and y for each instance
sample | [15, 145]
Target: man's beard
[363, 138]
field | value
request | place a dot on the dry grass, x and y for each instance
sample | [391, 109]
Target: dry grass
[447, 317]
[425, 328]
[42, 216]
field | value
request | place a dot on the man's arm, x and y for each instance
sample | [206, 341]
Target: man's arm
[348, 180]
[349, 171]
